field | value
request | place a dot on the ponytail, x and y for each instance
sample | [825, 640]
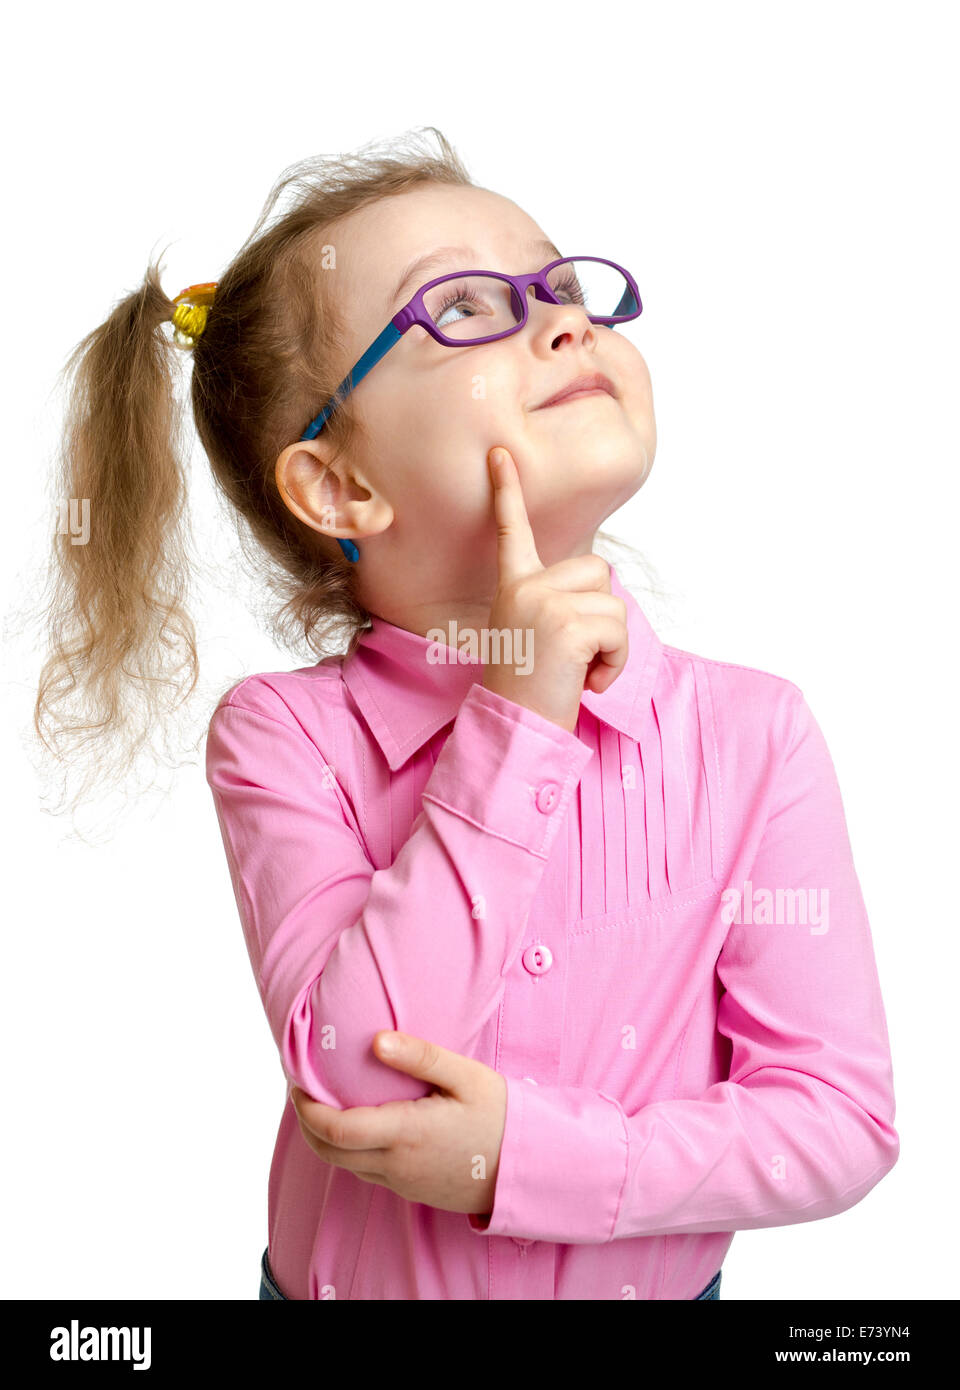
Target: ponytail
[122, 648]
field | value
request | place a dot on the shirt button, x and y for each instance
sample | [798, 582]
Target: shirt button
[537, 959]
[530, 1079]
[547, 797]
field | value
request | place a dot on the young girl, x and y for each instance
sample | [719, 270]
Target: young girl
[602, 887]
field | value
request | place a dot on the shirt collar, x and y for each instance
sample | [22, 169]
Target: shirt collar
[406, 699]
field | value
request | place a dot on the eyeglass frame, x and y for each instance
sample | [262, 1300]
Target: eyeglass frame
[414, 312]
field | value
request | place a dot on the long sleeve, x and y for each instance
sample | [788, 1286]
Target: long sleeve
[803, 1126]
[340, 949]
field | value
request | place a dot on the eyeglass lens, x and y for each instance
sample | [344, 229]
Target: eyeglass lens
[476, 306]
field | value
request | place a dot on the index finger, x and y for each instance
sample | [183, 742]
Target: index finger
[516, 546]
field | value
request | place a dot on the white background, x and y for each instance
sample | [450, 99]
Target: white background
[781, 179]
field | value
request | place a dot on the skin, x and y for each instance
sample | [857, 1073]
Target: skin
[432, 415]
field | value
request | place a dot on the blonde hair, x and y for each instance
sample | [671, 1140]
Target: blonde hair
[122, 646]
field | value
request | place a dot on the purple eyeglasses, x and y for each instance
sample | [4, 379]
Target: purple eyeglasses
[592, 282]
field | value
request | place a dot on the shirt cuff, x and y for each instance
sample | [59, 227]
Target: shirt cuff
[563, 1166]
[508, 770]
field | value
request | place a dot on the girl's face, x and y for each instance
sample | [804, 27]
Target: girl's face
[419, 495]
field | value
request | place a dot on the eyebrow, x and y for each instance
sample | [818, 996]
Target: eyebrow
[442, 253]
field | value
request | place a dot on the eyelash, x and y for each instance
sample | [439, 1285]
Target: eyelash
[456, 296]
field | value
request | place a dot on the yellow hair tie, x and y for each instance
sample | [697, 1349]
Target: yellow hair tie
[189, 316]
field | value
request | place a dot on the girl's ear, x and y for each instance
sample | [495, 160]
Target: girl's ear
[330, 496]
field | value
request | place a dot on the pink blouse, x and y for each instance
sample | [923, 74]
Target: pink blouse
[652, 927]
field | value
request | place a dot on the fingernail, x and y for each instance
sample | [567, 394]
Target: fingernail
[388, 1044]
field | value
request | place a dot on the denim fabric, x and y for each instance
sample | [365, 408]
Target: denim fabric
[268, 1285]
[270, 1289]
[713, 1288]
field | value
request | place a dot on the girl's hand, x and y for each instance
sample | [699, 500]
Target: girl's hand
[578, 627]
[442, 1150]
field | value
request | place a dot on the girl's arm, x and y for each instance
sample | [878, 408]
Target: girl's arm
[803, 1127]
[341, 950]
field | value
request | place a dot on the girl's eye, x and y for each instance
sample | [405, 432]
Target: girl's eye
[461, 295]
[571, 286]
